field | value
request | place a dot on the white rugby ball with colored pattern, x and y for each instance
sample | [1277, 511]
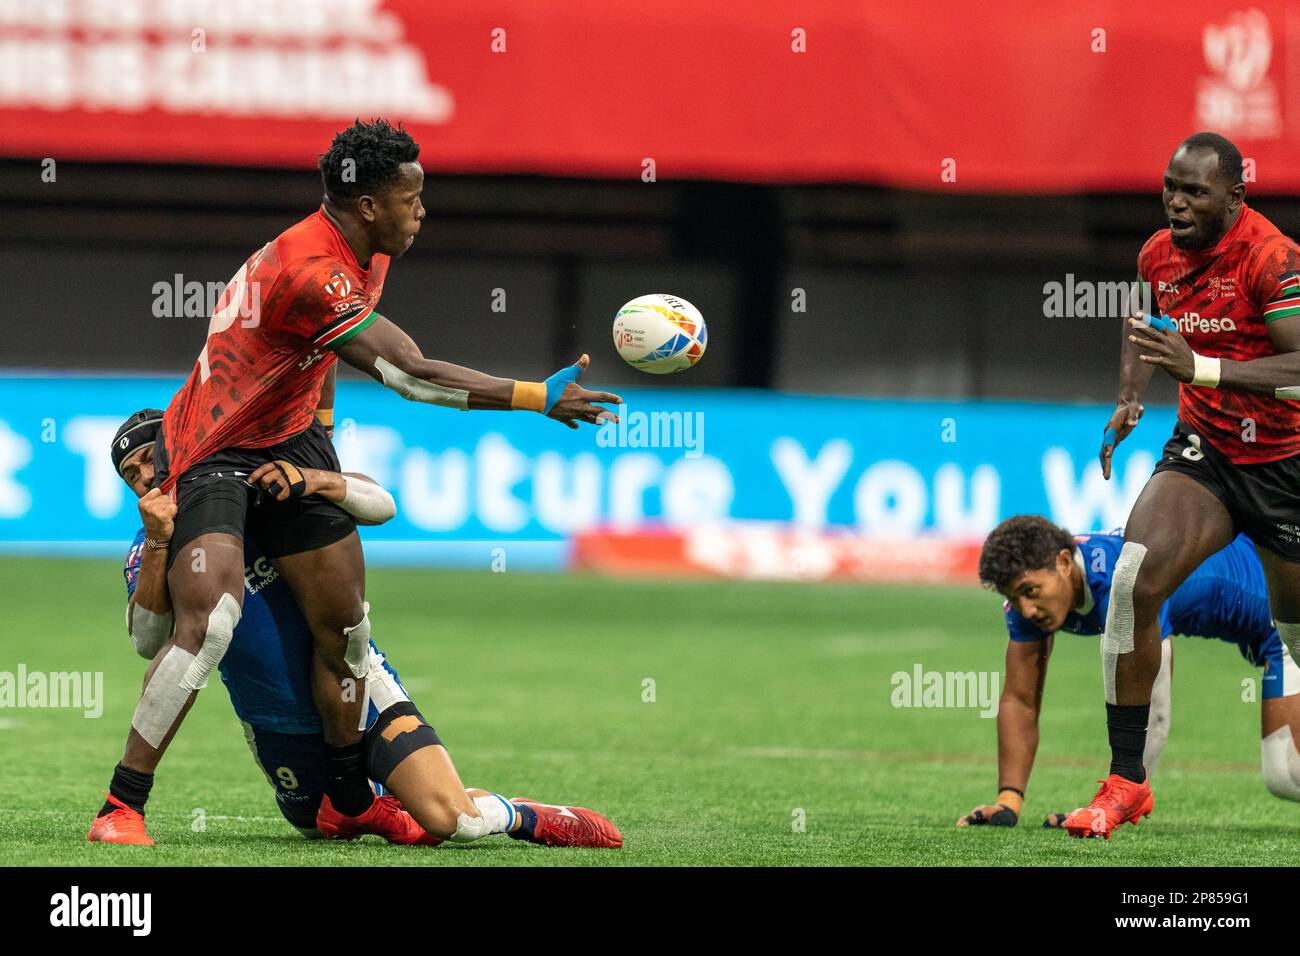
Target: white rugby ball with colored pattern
[659, 333]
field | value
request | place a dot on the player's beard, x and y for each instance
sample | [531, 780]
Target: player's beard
[1203, 238]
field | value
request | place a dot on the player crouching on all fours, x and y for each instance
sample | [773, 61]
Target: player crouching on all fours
[267, 672]
[1053, 582]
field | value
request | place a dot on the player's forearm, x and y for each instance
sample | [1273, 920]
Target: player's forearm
[151, 583]
[1277, 376]
[1134, 374]
[1017, 741]
[358, 495]
[388, 354]
[148, 612]
[482, 391]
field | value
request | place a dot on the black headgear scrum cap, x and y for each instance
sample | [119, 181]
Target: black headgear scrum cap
[137, 431]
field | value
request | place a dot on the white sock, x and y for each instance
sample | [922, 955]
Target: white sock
[497, 812]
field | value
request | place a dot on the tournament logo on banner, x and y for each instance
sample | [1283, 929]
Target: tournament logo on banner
[1241, 100]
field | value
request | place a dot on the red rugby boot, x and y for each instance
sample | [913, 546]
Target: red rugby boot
[1118, 801]
[122, 825]
[385, 817]
[568, 826]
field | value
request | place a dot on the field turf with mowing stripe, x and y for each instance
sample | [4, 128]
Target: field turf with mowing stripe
[772, 704]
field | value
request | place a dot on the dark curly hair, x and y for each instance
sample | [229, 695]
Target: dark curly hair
[377, 150]
[1019, 544]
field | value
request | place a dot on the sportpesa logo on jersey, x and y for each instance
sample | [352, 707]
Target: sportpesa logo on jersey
[1190, 322]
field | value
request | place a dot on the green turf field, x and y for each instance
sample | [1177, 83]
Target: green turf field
[769, 699]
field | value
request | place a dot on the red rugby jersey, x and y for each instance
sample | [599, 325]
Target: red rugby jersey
[1221, 300]
[258, 379]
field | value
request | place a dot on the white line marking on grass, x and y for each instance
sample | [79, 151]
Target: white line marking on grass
[9, 723]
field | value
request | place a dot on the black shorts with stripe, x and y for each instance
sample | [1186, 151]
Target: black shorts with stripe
[1263, 500]
[213, 496]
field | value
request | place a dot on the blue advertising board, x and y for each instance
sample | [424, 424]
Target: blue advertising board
[466, 482]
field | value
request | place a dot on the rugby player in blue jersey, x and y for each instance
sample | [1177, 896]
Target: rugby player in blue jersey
[267, 672]
[1054, 581]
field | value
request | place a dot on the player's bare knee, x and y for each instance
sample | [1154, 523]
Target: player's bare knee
[1149, 593]
[189, 633]
[218, 632]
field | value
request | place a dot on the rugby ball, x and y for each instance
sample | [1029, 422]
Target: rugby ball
[659, 333]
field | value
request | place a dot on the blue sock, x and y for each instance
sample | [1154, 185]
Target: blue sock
[527, 822]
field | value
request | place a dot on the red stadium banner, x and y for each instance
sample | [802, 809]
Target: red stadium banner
[774, 552]
[1046, 97]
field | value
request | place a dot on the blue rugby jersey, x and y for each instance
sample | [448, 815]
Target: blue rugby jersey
[267, 668]
[1225, 598]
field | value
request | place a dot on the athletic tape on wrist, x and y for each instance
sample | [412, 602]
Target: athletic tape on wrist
[1013, 801]
[1205, 371]
[529, 397]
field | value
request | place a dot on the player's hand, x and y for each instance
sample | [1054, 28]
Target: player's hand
[1054, 821]
[1163, 347]
[283, 480]
[992, 815]
[1122, 421]
[575, 403]
[158, 514]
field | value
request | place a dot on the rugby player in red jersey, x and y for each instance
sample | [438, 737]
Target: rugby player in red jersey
[248, 409]
[1229, 282]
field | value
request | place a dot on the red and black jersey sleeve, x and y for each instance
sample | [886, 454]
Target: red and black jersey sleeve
[325, 305]
[1146, 255]
[1273, 278]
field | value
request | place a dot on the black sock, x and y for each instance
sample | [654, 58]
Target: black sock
[346, 784]
[527, 822]
[1128, 739]
[131, 787]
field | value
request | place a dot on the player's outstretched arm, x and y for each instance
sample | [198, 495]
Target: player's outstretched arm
[1018, 710]
[386, 353]
[1134, 377]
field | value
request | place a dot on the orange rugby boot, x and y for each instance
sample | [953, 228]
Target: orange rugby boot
[386, 817]
[1118, 801]
[567, 826]
[122, 825]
